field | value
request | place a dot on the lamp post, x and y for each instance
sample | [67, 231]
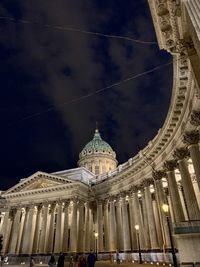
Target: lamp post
[96, 239]
[165, 208]
[137, 227]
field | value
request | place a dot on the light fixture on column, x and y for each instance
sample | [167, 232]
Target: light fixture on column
[137, 228]
[165, 208]
[96, 247]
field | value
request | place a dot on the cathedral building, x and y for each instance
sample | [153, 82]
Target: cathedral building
[105, 207]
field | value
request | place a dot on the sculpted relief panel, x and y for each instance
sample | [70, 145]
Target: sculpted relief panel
[40, 183]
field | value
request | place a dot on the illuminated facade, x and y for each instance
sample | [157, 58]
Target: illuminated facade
[56, 212]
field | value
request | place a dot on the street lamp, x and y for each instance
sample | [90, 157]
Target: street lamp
[96, 238]
[137, 227]
[165, 208]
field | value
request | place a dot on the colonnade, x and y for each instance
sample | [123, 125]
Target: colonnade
[69, 225]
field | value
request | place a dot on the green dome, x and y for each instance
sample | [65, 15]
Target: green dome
[97, 146]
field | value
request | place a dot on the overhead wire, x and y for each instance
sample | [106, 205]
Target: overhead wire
[92, 93]
[90, 33]
[72, 29]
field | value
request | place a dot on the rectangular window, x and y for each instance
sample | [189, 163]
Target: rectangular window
[103, 169]
[96, 170]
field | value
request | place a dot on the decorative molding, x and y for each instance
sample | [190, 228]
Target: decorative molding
[170, 165]
[191, 138]
[158, 175]
[181, 153]
[195, 118]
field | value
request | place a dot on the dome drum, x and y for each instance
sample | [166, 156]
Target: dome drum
[97, 156]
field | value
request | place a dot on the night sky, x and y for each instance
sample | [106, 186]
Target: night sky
[43, 69]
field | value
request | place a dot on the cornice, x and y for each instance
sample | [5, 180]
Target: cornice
[75, 187]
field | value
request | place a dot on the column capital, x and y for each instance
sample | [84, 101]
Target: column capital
[53, 205]
[112, 198]
[99, 201]
[75, 200]
[140, 186]
[170, 165]
[180, 153]
[122, 194]
[81, 203]
[191, 138]
[134, 189]
[39, 206]
[147, 182]
[105, 201]
[45, 204]
[158, 175]
[66, 202]
[195, 118]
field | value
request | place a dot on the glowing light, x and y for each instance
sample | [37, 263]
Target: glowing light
[96, 235]
[137, 227]
[165, 208]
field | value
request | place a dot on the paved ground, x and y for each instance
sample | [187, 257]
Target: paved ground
[124, 264]
[98, 264]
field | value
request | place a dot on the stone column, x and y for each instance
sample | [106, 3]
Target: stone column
[21, 229]
[120, 241]
[192, 140]
[91, 227]
[29, 231]
[15, 231]
[145, 219]
[43, 236]
[157, 221]
[173, 191]
[196, 188]
[150, 214]
[24, 230]
[6, 231]
[100, 225]
[1, 221]
[73, 232]
[112, 226]
[125, 224]
[161, 199]
[137, 216]
[106, 226]
[132, 223]
[81, 226]
[66, 227]
[87, 232]
[182, 198]
[58, 238]
[50, 244]
[190, 197]
[37, 230]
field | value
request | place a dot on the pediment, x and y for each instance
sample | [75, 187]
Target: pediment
[41, 183]
[38, 180]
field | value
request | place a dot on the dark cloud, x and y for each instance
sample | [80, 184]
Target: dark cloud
[43, 67]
